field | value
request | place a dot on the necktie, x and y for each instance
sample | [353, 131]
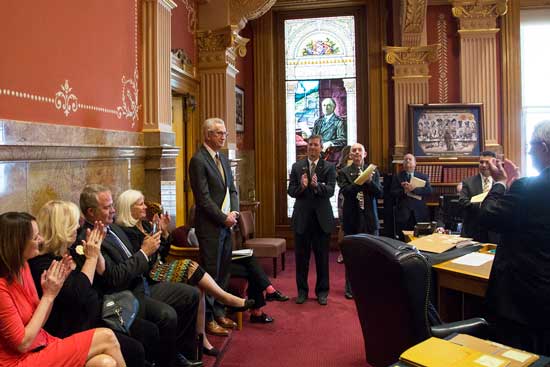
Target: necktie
[219, 165]
[128, 254]
[486, 184]
[312, 169]
[360, 196]
[120, 243]
[408, 177]
[226, 204]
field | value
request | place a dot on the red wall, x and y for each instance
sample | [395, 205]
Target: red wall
[443, 13]
[245, 80]
[91, 44]
[182, 36]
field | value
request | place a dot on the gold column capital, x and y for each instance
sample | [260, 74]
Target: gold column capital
[411, 62]
[479, 14]
[220, 46]
[396, 55]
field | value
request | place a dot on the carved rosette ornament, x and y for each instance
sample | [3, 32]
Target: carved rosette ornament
[411, 62]
[413, 17]
[479, 14]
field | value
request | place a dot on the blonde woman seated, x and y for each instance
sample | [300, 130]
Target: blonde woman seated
[23, 341]
[131, 217]
[78, 306]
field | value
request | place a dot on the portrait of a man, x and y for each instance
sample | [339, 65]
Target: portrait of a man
[331, 127]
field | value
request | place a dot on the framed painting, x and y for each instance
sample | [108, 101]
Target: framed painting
[239, 106]
[446, 130]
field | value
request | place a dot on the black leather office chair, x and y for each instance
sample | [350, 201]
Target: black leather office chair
[390, 281]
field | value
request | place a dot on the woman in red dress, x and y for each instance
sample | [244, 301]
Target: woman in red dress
[23, 341]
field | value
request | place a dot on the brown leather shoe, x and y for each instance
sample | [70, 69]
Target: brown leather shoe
[214, 328]
[226, 322]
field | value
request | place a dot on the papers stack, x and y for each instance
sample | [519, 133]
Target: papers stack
[365, 175]
[479, 198]
[465, 351]
[438, 242]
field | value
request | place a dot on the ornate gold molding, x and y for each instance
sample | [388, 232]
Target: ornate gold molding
[245, 10]
[411, 55]
[413, 16]
[222, 45]
[478, 14]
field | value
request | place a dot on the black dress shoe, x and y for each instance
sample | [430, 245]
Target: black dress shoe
[348, 295]
[301, 299]
[262, 319]
[248, 303]
[181, 361]
[210, 352]
[323, 301]
[276, 296]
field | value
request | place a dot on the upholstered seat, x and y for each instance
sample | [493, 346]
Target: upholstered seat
[390, 281]
[264, 246]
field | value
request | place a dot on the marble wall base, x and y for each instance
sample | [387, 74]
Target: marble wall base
[40, 162]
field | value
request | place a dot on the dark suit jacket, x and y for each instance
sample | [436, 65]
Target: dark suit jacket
[353, 215]
[333, 130]
[310, 202]
[472, 186]
[519, 285]
[121, 272]
[209, 191]
[406, 204]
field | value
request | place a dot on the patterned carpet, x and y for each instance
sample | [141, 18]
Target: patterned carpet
[302, 335]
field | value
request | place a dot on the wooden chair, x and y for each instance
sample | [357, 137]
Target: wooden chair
[264, 246]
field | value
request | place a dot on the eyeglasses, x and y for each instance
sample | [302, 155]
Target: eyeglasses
[219, 133]
[537, 142]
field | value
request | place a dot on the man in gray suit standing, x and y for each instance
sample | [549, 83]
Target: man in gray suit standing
[217, 203]
[312, 183]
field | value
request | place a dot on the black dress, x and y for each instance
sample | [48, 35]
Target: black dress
[78, 307]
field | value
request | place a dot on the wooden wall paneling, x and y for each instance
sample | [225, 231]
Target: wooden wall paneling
[264, 117]
[511, 83]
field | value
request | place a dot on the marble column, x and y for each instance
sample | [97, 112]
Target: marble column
[478, 60]
[410, 76]
[160, 162]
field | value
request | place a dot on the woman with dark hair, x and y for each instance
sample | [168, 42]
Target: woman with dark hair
[79, 305]
[23, 341]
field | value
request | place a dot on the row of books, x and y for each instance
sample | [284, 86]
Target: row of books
[446, 174]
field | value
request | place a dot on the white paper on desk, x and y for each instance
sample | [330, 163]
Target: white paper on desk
[479, 198]
[365, 175]
[473, 259]
[417, 182]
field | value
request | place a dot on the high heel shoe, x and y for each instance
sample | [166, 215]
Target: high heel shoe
[210, 352]
[248, 303]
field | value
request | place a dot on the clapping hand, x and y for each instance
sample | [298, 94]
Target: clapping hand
[304, 181]
[52, 279]
[151, 244]
[94, 238]
[314, 182]
[505, 171]
[163, 222]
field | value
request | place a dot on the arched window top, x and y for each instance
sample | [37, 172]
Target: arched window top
[313, 42]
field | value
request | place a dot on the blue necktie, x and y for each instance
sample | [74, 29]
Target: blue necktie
[128, 254]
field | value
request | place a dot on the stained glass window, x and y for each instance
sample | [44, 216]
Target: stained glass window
[320, 72]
